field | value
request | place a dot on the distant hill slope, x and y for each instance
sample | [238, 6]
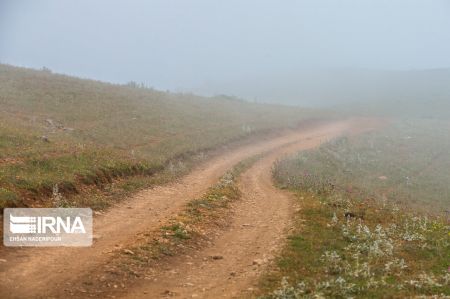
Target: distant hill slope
[422, 94]
[418, 93]
[56, 129]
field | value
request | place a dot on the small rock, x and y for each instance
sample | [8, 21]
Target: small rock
[168, 293]
[258, 262]
[45, 138]
[217, 257]
[232, 273]
[2, 261]
[50, 122]
[128, 251]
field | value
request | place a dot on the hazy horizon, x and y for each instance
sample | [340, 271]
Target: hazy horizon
[214, 47]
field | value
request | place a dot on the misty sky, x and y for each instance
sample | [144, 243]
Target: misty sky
[184, 45]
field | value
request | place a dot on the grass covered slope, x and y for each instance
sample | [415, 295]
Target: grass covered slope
[351, 239]
[406, 162]
[61, 131]
[384, 254]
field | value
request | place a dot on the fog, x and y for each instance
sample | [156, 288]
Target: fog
[296, 52]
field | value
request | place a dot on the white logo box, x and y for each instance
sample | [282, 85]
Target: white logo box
[47, 227]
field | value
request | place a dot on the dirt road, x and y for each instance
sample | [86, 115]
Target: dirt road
[260, 220]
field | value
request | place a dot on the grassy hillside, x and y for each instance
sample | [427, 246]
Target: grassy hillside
[357, 234]
[59, 134]
[381, 252]
[406, 163]
[414, 93]
[408, 94]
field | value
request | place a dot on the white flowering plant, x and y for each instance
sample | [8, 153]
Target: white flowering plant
[352, 240]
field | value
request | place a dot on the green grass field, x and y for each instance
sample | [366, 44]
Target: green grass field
[63, 135]
[407, 163]
[363, 229]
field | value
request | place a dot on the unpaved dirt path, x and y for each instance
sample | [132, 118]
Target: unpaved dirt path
[36, 272]
[259, 225]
